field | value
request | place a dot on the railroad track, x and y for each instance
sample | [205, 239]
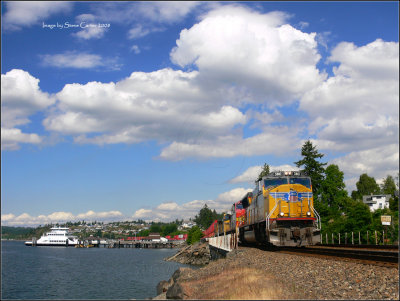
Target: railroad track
[388, 257]
[382, 258]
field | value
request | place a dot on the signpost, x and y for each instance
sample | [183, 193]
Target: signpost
[386, 221]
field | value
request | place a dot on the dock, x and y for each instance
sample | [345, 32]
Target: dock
[91, 242]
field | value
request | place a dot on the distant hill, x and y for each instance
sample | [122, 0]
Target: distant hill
[17, 232]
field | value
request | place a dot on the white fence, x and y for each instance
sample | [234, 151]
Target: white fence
[226, 242]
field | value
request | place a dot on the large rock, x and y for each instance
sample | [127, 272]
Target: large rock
[175, 292]
[178, 273]
[162, 287]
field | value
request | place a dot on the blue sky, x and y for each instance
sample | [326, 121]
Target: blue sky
[150, 110]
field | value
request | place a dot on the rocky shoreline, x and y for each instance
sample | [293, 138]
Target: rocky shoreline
[250, 273]
[197, 254]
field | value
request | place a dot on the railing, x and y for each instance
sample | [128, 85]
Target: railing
[270, 213]
[318, 217]
[377, 237]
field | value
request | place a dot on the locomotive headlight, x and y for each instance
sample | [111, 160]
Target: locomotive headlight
[308, 213]
[281, 214]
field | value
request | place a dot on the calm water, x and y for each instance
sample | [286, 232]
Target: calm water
[75, 273]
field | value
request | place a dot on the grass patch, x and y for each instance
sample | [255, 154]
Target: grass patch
[237, 284]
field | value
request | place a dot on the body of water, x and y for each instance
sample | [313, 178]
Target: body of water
[82, 273]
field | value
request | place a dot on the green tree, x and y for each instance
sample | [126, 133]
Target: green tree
[206, 217]
[168, 229]
[388, 186]
[264, 172]
[394, 204]
[333, 192]
[144, 233]
[194, 235]
[359, 217]
[155, 228]
[311, 165]
[366, 185]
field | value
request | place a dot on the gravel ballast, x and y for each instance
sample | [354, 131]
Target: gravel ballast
[305, 277]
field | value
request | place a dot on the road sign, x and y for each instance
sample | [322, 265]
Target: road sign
[386, 220]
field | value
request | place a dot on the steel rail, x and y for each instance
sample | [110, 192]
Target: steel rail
[383, 247]
[371, 255]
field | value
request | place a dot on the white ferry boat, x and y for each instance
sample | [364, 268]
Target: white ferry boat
[56, 237]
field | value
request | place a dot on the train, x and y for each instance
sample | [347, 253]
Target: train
[278, 212]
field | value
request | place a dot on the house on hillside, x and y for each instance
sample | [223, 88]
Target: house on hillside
[377, 201]
[186, 225]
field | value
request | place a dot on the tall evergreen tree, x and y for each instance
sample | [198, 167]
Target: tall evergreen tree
[311, 165]
[264, 172]
[206, 217]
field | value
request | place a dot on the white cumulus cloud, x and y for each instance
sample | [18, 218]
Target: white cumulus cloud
[11, 138]
[164, 105]
[26, 13]
[21, 97]
[259, 53]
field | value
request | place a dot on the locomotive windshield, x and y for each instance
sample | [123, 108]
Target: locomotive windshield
[275, 182]
[303, 181]
[271, 182]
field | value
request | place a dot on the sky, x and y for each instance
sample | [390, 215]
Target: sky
[115, 111]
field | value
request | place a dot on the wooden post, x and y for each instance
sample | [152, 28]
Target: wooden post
[383, 236]
[339, 238]
[352, 238]
[333, 241]
[376, 238]
[326, 238]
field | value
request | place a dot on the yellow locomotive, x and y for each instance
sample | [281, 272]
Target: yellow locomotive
[280, 211]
